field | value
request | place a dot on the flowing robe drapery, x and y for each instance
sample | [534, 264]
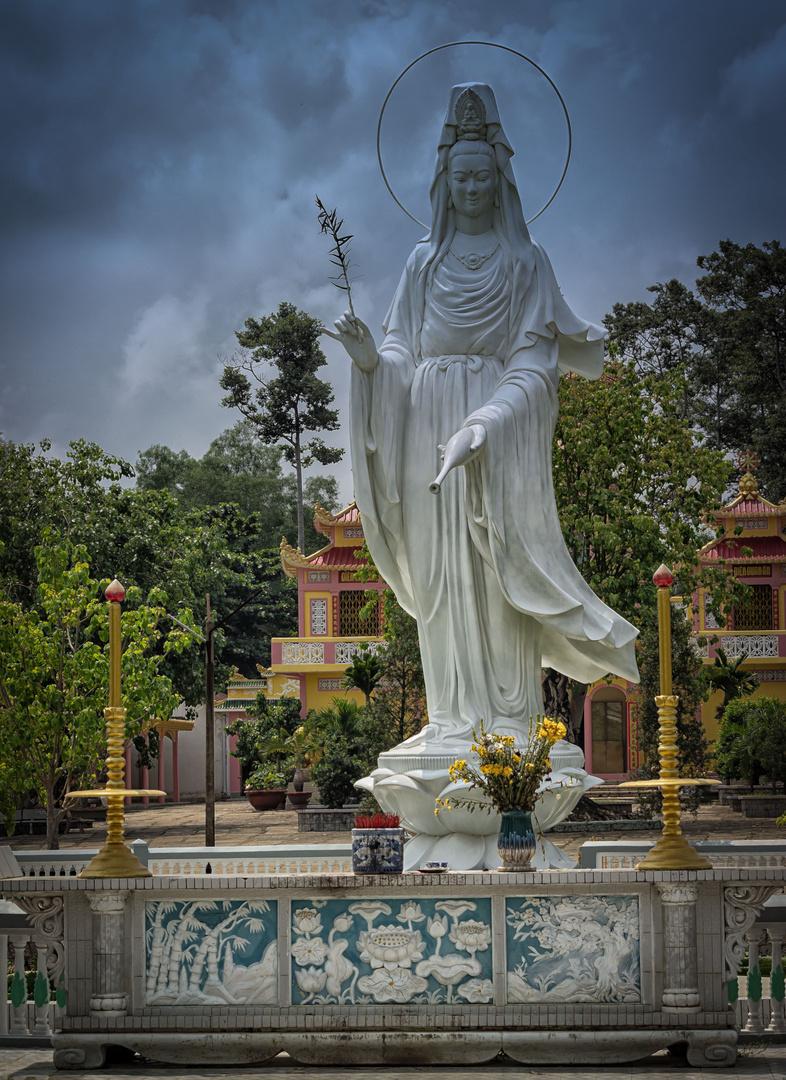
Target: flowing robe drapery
[482, 566]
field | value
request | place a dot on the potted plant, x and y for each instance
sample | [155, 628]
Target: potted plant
[377, 844]
[266, 787]
[509, 777]
[298, 749]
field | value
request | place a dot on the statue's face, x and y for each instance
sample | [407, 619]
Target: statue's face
[472, 180]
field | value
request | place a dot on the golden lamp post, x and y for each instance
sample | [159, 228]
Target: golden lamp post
[672, 851]
[115, 859]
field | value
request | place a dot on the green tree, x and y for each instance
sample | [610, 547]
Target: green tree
[143, 537]
[727, 676]
[690, 685]
[40, 492]
[729, 338]
[364, 673]
[54, 677]
[238, 468]
[301, 747]
[284, 408]
[633, 485]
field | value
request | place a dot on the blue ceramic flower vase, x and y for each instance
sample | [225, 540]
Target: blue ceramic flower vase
[516, 841]
[378, 851]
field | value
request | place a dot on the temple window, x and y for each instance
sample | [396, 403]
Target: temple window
[350, 604]
[757, 614]
[318, 617]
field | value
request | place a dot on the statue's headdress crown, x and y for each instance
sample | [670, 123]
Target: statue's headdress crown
[470, 116]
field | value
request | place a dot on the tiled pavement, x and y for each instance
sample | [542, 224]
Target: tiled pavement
[753, 1063]
[171, 825]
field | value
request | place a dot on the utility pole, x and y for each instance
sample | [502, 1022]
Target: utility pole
[210, 733]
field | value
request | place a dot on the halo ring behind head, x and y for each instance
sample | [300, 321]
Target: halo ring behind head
[491, 45]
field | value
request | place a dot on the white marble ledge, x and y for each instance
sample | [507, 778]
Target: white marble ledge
[409, 881]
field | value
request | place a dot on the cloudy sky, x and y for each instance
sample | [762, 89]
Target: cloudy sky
[161, 158]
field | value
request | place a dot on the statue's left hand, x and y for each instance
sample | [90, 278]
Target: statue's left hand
[460, 448]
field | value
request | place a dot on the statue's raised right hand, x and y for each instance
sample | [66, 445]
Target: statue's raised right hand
[358, 340]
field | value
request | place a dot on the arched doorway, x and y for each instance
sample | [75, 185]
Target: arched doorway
[609, 732]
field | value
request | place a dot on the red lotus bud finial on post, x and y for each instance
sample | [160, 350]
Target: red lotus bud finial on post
[115, 592]
[663, 577]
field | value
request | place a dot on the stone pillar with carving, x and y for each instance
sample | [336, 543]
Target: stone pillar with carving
[680, 967]
[19, 1008]
[778, 1013]
[109, 996]
[754, 1021]
[41, 994]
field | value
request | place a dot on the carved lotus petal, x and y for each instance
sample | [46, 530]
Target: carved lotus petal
[400, 794]
[477, 990]
[397, 985]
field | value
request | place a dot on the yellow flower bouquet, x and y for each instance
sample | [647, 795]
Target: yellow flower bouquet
[509, 775]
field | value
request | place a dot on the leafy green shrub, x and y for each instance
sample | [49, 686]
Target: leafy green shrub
[266, 778]
[353, 740]
[268, 719]
[752, 741]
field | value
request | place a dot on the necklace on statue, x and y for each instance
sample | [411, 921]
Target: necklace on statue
[472, 260]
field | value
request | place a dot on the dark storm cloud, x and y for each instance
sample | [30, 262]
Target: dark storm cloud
[160, 162]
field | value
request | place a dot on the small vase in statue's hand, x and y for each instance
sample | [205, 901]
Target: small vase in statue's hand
[461, 448]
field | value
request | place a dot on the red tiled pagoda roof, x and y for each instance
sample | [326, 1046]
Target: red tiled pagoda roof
[770, 548]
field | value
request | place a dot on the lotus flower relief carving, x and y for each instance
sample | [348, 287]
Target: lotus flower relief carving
[450, 969]
[398, 985]
[310, 981]
[438, 926]
[390, 947]
[410, 912]
[471, 936]
[307, 921]
[481, 990]
[310, 950]
[394, 959]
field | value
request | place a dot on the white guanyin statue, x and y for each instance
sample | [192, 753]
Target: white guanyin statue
[452, 420]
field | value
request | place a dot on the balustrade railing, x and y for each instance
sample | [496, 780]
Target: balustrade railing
[269, 859]
[625, 854]
[22, 1014]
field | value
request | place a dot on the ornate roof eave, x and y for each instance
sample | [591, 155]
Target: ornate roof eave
[331, 557]
[324, 520]
[291, 558]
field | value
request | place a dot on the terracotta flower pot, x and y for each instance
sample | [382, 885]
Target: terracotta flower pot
[266, 800]
[298, 800]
